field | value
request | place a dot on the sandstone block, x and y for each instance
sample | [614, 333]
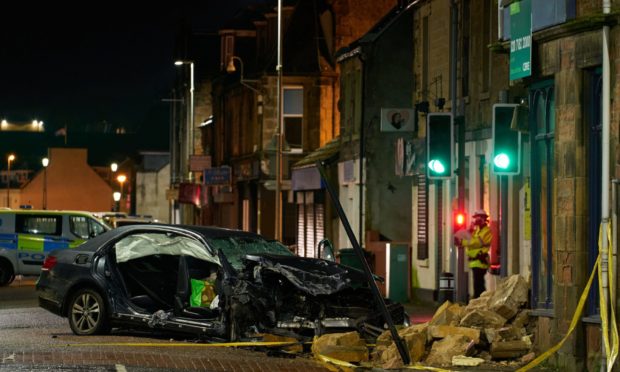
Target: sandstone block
[349, 346]
[444, 331]
[509, 297]
[482, 319]
[443, 351]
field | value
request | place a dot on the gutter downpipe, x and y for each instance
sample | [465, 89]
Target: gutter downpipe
[605, 178]
[456, 271]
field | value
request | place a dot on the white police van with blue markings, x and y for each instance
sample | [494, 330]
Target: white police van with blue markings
[26, 236]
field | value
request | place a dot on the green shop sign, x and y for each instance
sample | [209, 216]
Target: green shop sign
[521, 39]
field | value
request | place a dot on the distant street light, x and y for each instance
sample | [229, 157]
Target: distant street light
[117, 197]
[10, 158]
[113, 168]
[45, 162]
[121, 179]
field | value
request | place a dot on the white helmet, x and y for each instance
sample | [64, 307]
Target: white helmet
[481, 213]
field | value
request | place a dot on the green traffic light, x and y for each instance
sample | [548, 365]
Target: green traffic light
[436, 166]
[501, 161]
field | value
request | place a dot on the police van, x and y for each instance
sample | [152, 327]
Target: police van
[27, 235]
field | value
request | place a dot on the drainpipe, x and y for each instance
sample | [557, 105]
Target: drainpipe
[456, 271]
[362, 238]
[605, 176]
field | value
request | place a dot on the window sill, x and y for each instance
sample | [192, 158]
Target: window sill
[548, 313]
[592, 319]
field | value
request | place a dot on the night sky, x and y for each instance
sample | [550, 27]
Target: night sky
[100, 62]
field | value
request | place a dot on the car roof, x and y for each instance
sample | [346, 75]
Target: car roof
[48, 212]
[206, 231]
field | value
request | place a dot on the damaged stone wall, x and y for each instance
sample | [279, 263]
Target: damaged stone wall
[495, 329]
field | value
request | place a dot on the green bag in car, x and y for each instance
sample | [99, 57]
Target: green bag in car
[203, 292]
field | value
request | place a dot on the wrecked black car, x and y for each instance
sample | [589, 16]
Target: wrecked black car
[207, 282]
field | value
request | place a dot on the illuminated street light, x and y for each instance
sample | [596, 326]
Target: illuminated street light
[121, 179]
[10, 158]
[45, 162]
[113, 167]
[117, 197]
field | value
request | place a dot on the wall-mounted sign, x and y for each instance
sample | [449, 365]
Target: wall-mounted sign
[189, 193]
[198, 163]
[520, 39]
[397, 120]
[217, 176]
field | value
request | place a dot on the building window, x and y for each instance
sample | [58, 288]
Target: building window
[292, 116]
[542, 126]
[422, 209]
[486, 40]
[544, 14]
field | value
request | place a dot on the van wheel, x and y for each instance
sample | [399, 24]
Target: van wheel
[6, 273]
[87, 313]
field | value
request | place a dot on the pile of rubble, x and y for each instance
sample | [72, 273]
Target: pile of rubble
[494, 327]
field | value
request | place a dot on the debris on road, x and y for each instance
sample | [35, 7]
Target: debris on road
[494, 328]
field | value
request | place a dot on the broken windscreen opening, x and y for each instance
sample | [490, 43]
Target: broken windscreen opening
[141, 245]
[235, 248]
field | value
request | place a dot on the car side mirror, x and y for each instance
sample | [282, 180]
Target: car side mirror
[326, 250]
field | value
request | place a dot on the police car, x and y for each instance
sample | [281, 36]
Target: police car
[26, 236]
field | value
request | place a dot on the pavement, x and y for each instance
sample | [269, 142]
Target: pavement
[420, 312]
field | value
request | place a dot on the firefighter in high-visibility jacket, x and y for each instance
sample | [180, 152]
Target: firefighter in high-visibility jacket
[477, 249]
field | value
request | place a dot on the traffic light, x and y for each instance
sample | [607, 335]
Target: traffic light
[439, 145]
[506, 141]
[459, 221]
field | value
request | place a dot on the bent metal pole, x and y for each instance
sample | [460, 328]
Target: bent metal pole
[400, 343]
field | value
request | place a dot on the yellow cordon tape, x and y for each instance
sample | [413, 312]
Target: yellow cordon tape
[610, 351]
[187, 344]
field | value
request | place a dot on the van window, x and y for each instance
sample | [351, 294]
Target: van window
[38, 224]
[96, 228]
[85, 227]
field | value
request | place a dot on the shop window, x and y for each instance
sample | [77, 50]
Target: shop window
[542, 126]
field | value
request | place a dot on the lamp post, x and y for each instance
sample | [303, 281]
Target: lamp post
[10, 158]
[190, 121]
[121, 179]
[117, 197]
[45, 162]
[278, 214]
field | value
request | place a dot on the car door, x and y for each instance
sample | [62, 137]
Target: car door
[145, 263]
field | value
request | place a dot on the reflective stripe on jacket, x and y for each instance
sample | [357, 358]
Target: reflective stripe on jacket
[477, 248]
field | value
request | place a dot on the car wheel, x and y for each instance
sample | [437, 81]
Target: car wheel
[6, 273]
[87, 313]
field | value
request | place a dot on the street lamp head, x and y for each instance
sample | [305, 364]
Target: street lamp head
[230, 68]
[45, 162]
[116, 195]
[114, 167]
[11, 157]
[178, 63]
[121, 178]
